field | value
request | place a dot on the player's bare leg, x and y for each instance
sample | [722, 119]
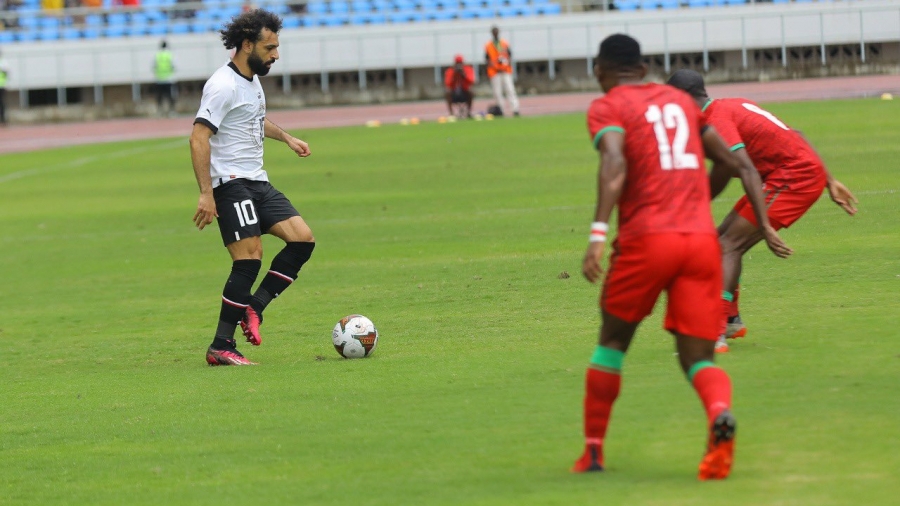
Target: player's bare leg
[714, 389]
[602, 386]
[737, 235]
[299, 245]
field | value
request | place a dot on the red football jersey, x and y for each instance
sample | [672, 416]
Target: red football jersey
[666, 186]
[781, 155]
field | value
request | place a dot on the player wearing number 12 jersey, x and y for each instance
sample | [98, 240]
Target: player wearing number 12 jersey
[227, 155]
[792, 173]
[651, 140]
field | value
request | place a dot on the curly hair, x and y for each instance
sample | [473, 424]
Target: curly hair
[249, 26]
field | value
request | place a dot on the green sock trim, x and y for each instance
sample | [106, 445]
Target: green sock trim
[727, 296]
[699, 366]
[608, 358]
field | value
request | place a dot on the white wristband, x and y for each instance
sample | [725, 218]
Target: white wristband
[598, 232]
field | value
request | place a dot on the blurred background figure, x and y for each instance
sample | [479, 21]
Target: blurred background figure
[164, 72]
[458, 81]
[4, 76]
[498, 58]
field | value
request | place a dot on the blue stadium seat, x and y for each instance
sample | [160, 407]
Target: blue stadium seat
[136, 30]
[289, 22]
[698, 3]
[626, 5]
[157, 29]
[316, 8]
[29, 22]
[550, 9]
[736, 2]
[113, 31]
[508, 12]
[440, 15]
[6, 37]
[362, 6]
[26, 35]
[338, 7]
[90, 33]
[179, 28]
[404, 5]
[649, 5]
[49, 34]
[670, 4]
[70, 33]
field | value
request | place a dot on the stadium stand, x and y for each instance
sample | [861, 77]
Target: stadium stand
[162, 17]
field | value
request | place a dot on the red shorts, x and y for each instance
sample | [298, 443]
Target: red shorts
[783, 205]
[687, 266]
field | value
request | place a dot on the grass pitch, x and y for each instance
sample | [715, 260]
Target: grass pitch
[454, 240]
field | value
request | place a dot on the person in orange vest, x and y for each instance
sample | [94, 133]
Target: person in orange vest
[458, 80]
[498, 59]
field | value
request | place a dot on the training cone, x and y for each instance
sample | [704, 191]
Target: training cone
[372, 123]
[887, 96]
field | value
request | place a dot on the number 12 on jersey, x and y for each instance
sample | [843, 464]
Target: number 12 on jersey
[672, 156]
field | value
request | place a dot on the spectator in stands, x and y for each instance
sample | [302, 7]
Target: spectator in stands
[164, 70]
[458, 80]
[9, 7]
[4, 75]
[498, 59]
[53, 6]
[129, 3]
[182, 12]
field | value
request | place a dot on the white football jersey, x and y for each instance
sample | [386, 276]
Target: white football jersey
[235, 109]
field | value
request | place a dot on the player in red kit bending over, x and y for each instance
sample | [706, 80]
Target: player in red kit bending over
[791, 170]
[651, 140]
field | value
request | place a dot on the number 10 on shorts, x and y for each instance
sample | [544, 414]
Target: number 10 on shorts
[246, 213]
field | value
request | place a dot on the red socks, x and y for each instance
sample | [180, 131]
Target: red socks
[714, 388]
[601, 390]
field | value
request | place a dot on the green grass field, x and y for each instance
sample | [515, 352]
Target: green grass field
[452, 238]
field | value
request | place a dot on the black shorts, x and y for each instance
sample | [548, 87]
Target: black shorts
[459, 97]
[249, 209]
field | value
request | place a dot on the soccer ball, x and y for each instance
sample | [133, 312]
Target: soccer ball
[355, 336]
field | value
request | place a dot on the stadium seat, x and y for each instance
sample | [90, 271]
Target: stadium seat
[157, 29]
[440, 15]
[6, 37]
[626, 5]
[649, 5]
[549, 9]
[508, 12]
[316, 8]
[698, 3]
[26, 35]
[362, 6]
[338, 7]
[179, 28]
[670, 4]
[736, 2]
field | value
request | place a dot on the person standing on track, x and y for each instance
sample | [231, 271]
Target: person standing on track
[792, 173]
[651, 140]
[227, 155]
[498, 61]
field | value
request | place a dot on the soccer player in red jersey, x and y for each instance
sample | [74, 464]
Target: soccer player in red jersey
[651, 140]
[792, 173]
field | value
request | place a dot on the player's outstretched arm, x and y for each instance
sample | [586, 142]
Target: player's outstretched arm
[200, 153]
[298, 146]
[610, 183]
[738, 162]
[840, 194]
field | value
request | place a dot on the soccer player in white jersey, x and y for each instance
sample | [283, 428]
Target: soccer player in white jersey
[227, 154]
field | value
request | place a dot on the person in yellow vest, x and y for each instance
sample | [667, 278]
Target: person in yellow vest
[4, 76]
[164, 71]
[498, 60]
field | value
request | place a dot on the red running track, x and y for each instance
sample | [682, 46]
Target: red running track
[35, 137]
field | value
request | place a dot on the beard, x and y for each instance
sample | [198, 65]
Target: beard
[257, 66]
